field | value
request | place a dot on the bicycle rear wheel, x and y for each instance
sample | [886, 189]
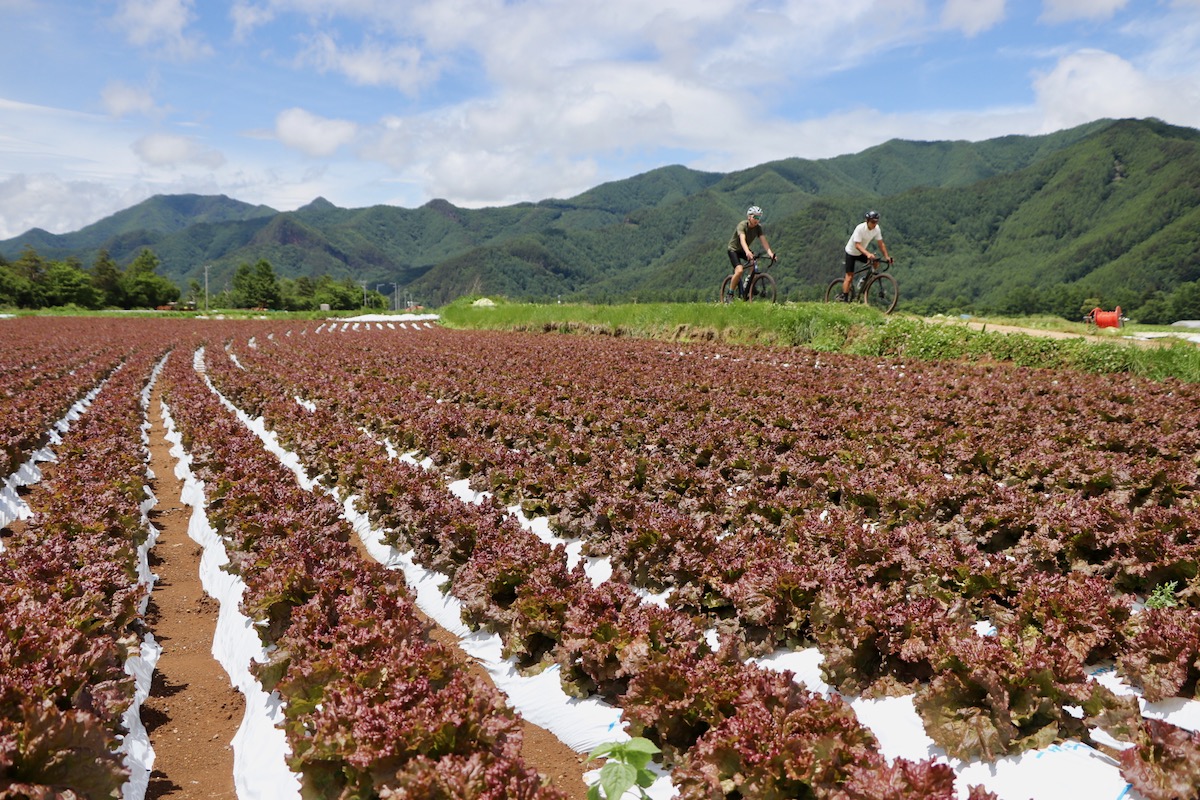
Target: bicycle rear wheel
[882, 292]
[726, 293]
[763, 288]
[834, 292]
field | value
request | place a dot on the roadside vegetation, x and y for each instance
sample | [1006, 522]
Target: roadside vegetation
[851, 329]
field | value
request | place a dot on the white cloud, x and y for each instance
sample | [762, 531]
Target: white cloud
[247, 17]
[1067, 10]
[1091, 84]
[496, 101]
[160, 25]
[120, 99]
[168, 150]
[48, 202]
[972, 16]
[313, 135]
[402, 66]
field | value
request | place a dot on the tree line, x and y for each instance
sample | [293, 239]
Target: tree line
[34, 282]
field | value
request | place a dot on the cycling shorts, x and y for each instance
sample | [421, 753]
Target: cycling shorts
[853, 259]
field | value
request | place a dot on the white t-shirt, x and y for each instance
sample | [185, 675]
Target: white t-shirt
[865, 236]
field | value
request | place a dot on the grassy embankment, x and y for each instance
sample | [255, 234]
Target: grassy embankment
[851, 329]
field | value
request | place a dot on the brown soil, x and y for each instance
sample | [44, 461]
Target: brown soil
[1111, 336]
[193, 712]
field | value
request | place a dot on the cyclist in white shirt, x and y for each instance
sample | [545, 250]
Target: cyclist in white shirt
[868, 231]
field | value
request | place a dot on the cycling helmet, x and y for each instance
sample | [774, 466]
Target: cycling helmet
[872, 215]
[753, 211]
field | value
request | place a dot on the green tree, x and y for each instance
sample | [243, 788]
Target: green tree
[265, 285]
[143, 286]
[106, 277]
[15, 291]
[32, 268]
[241, 295]
[1185, 302]
[67, 284]
[298, 294]
[1155, 311]
[340, 295]
[257, 286]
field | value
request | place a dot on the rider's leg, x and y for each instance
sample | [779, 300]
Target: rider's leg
[737, 279]
[851, 261]
[736, 263]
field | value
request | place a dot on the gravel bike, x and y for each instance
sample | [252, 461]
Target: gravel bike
[756, 283]
[871, 285]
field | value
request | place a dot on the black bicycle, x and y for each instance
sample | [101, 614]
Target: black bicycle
[757, 284]
[871, 285]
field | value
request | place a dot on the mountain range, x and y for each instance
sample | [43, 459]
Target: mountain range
[1106, 213]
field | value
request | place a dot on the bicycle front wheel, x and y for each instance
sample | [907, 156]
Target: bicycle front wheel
[882, 292]
[834, 291]
[763, 288]
[726, 293]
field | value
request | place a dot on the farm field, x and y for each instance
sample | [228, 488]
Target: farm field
[799, 574]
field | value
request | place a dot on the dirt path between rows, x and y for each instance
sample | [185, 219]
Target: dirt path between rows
[193, 712]
[1111, 338]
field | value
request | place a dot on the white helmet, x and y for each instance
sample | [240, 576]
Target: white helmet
[753, 211]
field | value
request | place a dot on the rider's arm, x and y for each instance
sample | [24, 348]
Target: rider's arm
[745, 246]
[766, 244]
[883, 249]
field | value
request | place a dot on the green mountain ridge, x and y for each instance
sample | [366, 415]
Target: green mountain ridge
[1106, 212]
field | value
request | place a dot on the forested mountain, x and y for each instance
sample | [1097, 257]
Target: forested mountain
[1104, 214]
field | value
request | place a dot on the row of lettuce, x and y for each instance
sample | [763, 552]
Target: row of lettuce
[883, 510]
[375, 706]
[699, 472]
[722, 722]
[73, 582]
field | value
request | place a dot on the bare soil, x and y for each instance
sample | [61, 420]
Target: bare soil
[193, 712]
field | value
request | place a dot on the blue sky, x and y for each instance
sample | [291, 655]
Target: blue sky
[491, 102]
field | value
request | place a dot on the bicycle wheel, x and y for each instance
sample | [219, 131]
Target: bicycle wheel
[882, 292]
[834, 291]
[725, 296]
[763, 288]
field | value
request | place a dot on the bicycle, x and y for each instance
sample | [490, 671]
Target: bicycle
[877, 289]
[756, 283]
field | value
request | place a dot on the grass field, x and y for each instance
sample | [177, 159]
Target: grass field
[857, 330]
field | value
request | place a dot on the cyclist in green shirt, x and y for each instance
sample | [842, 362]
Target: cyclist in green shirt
[740, 254]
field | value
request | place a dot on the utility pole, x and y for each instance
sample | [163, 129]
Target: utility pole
[206, 290]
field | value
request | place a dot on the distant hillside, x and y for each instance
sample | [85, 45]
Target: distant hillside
[1105, 213]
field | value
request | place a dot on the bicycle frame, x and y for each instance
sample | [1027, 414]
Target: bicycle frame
[863, 274]
[869, 284]
[755, 277]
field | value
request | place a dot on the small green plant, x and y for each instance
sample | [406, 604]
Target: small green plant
[627, 766]
[1163, 596]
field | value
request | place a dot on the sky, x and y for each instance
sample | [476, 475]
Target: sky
[106, 103]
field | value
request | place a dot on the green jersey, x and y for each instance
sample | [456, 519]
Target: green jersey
[752, 234]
